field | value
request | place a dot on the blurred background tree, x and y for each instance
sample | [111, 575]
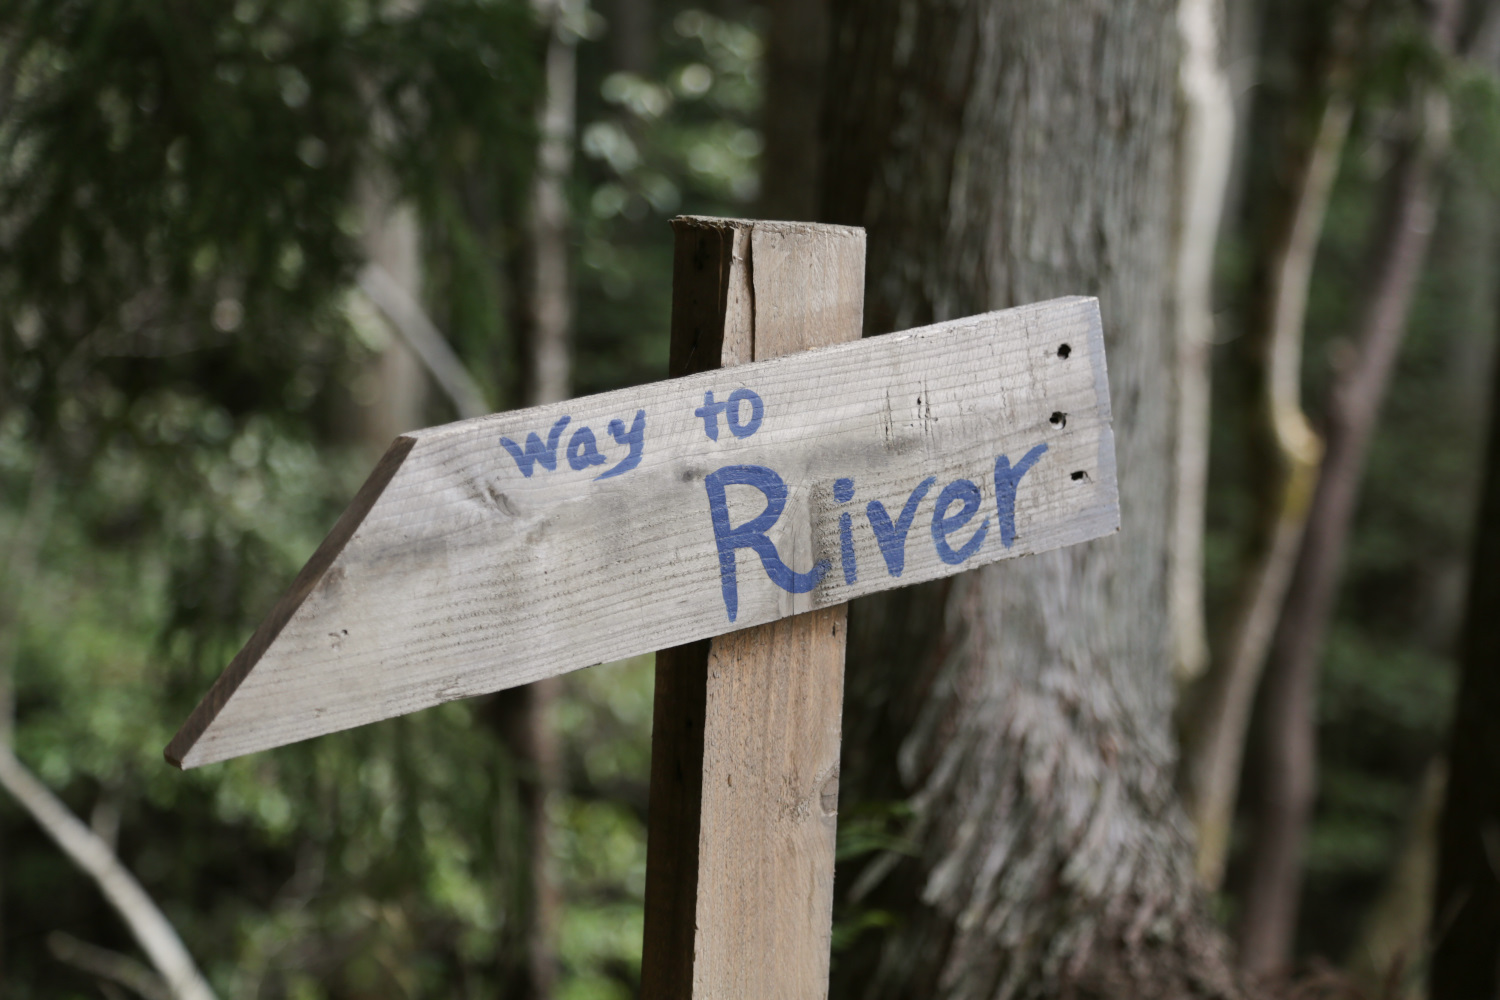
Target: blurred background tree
[193, 385]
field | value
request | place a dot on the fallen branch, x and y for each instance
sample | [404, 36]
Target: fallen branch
[151, 928]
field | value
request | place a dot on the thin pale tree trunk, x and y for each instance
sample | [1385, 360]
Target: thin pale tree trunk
[410, 321]
[391, 239]
[1286, 747]
[1207, 146]
[1001, 154]
[1214, 743]
[548, 371]
[523, 717]
[529, 728]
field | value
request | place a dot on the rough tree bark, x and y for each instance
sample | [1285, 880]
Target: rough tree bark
[1214, 738]
[1466, 910]
[1286, 746]
[1001, 154]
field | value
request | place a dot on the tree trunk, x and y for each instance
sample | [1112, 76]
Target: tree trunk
[548, 367]
[1287, 744]
[1466, 910]
[1001, 154]
[1285, 451]
[796, 59]
[391, 238]
[1214, 742]
[522, 718]
[524, 715]
[1206, 151]
[632, 36]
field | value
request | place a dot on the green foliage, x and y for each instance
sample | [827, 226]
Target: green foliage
[604, 723]
[679, 138]
[177, 186]
[177, 181]
[1476, 103]
[179, 191]
[867, 828]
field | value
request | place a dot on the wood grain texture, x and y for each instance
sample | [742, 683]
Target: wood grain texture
[745, 739]
[455, 575]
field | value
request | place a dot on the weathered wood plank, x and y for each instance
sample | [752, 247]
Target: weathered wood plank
[745, 738]
[457, 573]
[774, 698]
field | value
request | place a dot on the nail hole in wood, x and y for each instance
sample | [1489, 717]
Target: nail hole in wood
[1059, 419]
[1064, 351]
[1080, 475]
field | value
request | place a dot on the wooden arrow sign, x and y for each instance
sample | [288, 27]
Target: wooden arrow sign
[493, 552]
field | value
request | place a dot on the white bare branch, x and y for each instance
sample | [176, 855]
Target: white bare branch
[422, 336]
[150, 926]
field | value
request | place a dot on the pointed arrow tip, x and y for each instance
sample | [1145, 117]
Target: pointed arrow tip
[184, 751]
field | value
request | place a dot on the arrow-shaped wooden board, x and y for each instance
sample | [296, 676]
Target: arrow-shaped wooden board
[493, 552]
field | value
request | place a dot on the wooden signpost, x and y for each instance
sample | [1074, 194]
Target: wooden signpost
[722, 517]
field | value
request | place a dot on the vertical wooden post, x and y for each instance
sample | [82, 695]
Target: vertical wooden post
[745, 740]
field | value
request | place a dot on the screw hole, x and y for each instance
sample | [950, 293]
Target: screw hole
[1064, 351]
[1059, 419]
[1080, 475]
